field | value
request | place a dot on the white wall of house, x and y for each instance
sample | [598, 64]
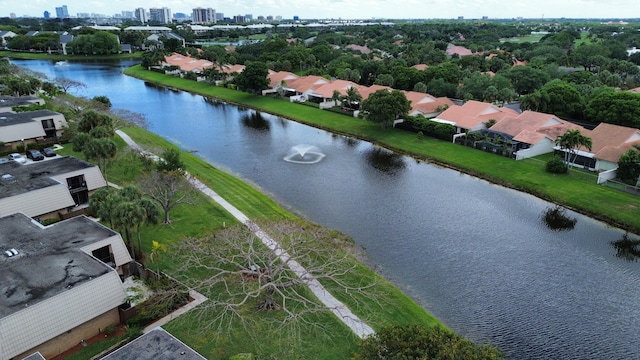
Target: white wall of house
[542, 147]
[607, 175]
[604, 165]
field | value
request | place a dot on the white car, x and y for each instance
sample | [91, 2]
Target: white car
[18, 158]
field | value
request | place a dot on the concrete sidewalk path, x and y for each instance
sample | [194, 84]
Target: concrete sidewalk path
[343, 313]
[339, 309]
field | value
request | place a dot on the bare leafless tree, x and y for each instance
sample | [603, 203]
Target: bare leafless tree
[242, 276]
[168, 189]
[66, 84]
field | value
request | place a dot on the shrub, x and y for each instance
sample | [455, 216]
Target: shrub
[556, 165]
[50, 221]
[110, 330]
[419, 342]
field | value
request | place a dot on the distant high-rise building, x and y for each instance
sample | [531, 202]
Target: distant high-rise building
[127, 14]
[12, 15]
[160, 15]
[181, 17]
[46, 14]
[62, 12]
[219, 16]
[238, 19]
[204, 16]
[141, 15]
[248, 18]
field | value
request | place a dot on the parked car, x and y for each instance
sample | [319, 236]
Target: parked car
[34, 155]
[17, 158]
[48, 152]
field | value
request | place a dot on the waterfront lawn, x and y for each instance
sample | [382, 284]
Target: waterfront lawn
[59, 57]
[576, 190]
[387, 305]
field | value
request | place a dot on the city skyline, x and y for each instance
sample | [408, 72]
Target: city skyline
[352, 9]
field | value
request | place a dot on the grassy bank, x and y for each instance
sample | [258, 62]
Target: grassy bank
[577, 190]
[385, 304]
[59, 57]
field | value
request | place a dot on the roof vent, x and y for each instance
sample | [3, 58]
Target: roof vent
[11, 253]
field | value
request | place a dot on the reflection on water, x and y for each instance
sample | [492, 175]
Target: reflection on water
[556, 218]
[626, 248]
[255, 120]
[385, 160]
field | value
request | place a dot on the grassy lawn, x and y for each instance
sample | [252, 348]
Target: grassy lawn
[385, 305]
[533, 38]
[577, 190]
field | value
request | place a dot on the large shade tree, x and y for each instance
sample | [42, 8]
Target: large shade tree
[629, 167]
[253, 78]
[384, 107]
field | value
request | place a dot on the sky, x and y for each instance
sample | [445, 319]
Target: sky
[348, 9]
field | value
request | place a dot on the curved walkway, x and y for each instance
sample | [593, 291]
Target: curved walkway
[343, 313]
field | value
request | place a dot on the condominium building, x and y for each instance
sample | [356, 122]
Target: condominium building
[204, 16]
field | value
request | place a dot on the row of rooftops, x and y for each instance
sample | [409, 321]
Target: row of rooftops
[609, 141]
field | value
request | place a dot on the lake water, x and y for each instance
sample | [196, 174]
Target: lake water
[476, 255]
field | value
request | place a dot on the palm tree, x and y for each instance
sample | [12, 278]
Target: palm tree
[336, 97]
[570, 141]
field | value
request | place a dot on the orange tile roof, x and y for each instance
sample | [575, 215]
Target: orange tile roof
[362, 49]
[611, 141]
[365, 91]
[277, 77]
[635, 90]
[426, 104]
[420, 66]
[459, 50]
[230, 69]
[306, 83]
[187, 63]
[472, 113]
[326, 90]
[531, 126]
